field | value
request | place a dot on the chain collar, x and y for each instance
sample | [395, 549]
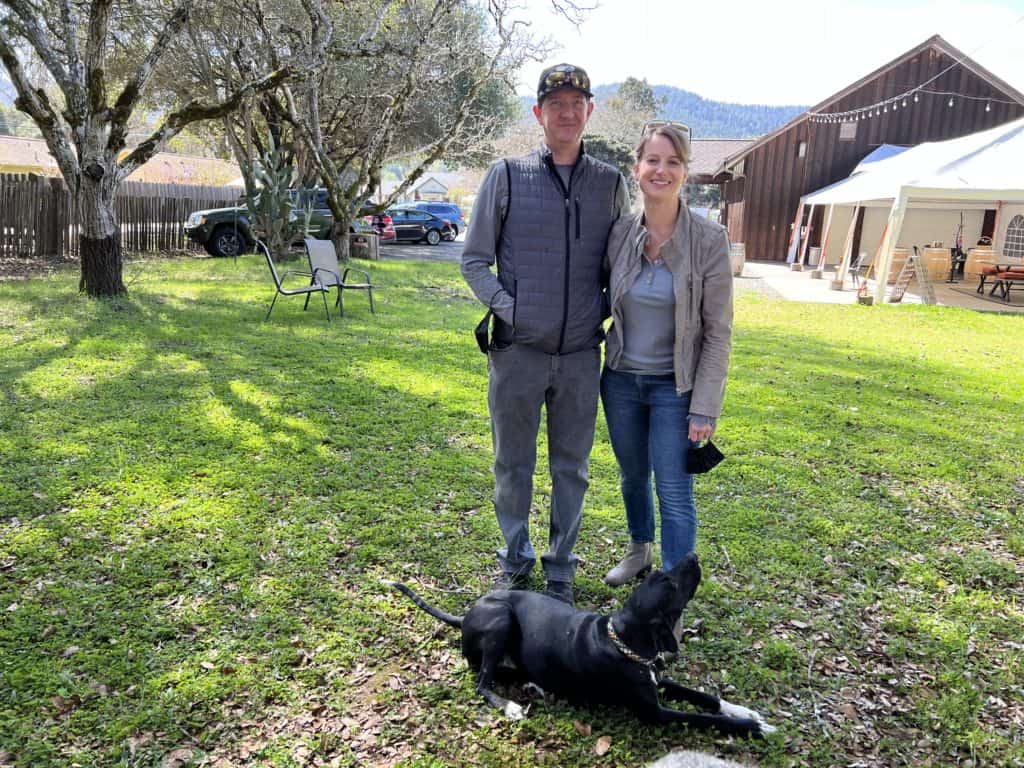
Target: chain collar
[628, 652]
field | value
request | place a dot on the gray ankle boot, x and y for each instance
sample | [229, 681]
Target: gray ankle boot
[636, 563]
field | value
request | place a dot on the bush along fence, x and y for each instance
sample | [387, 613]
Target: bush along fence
[37, 217]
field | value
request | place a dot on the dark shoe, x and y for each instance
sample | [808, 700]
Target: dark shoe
[511, 581]
[560, 590]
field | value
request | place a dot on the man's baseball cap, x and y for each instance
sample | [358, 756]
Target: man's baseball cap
[563, 76]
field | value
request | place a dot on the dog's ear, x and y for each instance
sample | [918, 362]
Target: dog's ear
[664, 638]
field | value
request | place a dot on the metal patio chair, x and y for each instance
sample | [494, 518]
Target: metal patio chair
[324, 269]
[315, 286]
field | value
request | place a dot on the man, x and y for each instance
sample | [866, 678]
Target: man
[544, 219]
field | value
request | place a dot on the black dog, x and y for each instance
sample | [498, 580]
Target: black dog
[592, 659]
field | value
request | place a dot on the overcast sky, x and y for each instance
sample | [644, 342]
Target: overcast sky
[777, 52]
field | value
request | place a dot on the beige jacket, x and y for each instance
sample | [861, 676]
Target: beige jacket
[697, 254]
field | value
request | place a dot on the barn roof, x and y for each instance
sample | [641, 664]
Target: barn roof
[936, 42]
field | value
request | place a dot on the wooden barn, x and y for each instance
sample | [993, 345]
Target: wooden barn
[930, 93]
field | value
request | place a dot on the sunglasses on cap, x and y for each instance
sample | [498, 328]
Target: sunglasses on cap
[653, 125]
[563, 76]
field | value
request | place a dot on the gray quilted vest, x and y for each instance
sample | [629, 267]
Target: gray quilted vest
[551, 252]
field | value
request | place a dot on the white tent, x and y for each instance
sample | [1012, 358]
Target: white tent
[982, 170]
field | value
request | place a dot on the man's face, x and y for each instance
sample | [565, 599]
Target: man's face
[563, 115]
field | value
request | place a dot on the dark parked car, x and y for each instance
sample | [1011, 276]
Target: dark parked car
[449, 211]
[419, 226]
[226, 231]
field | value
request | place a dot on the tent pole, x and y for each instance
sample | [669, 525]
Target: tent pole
[995, 224]
[794, 235]
[824, 237]
[845, 259]
[807, 239]
[892, 234]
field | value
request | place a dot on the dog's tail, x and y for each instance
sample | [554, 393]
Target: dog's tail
[437, 613]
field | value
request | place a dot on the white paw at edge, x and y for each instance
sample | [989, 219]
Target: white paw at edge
[736, 712]
[514, 712]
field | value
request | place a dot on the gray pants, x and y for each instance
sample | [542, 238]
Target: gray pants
[523, 379]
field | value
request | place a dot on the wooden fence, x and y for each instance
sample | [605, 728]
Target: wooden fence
[37, 217]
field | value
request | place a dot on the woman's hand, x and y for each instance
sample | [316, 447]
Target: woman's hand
[701, 428]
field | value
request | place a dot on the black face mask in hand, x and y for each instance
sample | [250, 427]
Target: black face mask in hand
[703, 458]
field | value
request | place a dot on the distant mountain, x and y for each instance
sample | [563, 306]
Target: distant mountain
[707, 118]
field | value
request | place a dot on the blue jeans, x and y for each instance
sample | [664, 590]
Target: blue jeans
[648, 427]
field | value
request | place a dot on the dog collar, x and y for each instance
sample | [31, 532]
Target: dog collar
[626, 651]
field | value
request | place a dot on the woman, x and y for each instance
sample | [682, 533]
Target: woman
[667, 352]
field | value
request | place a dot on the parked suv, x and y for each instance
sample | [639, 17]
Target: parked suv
[226, 231]
[449, 211]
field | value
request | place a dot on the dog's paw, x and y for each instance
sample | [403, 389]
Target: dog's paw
[514, 712]
[764, 728]
[737, 712]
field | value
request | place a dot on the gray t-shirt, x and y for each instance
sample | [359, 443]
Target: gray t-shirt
[648, 321]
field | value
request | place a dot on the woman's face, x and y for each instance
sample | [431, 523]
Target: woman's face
[660, 172]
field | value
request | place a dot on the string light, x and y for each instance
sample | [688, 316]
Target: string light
[882, 107]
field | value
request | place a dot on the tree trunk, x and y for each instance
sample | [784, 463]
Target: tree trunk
[100, 239]
[339, 235]
[101, 266]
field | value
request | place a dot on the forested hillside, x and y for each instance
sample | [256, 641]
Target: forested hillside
[709, 119]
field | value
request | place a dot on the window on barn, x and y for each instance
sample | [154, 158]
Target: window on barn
[1014, 245]
[801, 149]
[847, 131]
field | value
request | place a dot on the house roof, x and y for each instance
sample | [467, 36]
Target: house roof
[430, 184]
[709, 154]
[935, 41]
[162, 168]
[16, 152]
[169, 168]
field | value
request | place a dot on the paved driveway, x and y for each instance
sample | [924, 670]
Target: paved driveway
[443, 251]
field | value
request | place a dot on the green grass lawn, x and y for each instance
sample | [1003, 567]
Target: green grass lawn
[197, 508]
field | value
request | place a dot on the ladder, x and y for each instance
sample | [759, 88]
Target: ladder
[913, 269]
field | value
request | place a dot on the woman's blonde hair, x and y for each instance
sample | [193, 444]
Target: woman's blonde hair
[680, 142]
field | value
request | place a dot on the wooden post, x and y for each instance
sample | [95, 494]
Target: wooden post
[883, 260]
[817, 273]
[794, 235]
[798, 265]
[847, 255]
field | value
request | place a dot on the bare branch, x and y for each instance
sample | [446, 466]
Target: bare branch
[193, 111]
[573, 12]
[28, 20]
[133, 88]
[37, 106]
[95, 55]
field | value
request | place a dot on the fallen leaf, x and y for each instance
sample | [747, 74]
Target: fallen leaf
[71, 650]
[138, 740]
[604, 743]
[177, 758]
[583, 729]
